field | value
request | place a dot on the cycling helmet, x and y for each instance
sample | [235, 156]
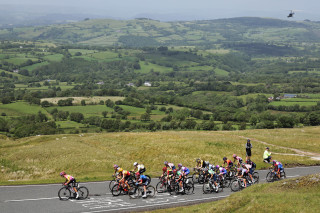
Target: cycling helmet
[164, 169]
[120, 170]
[274, 161]
[135, 163]
[62, 173]
[225, 158]
[166, 163]
[174, 171]
[137, 174]
[248, 140]
[198, 160]
[115, 166]
[234, 155]
[217, 166]
[179, 165]
[238, 169]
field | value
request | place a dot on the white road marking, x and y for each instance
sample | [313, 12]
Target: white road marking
[135, 207]
[44, 198]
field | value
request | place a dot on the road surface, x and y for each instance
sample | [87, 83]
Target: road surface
[43, 198]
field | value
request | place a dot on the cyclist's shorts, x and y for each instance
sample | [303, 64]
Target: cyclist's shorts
[141, 171]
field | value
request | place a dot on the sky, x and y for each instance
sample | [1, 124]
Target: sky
[180, 9]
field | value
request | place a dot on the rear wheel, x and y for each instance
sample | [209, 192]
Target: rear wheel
[195, 177]
[255, 177]
[83, 192]
[206, 188]
[135, 192]
[64, 193]
[188, 188]
[235, 185]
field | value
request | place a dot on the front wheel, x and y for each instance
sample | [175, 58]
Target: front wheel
[116, 190]
[64, 193]
[235, 185]
[188, 188]
[151, 191]
[195, 177]
[255, 177]
[206, 188]
[111, 184]
[161, 187]
[269, 177]
[283, 175]
[83, 192]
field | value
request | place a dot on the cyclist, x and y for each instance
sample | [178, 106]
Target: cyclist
[228, 162]
[267, 156]
[238, 159]
[222, 171]
[243, 173]
[213, 176]
[247, 167]
[169, 165]
[142, 180]
[116, 168]
[139, 167]
[201, 163]
[278, 167]
[180, 180]
[184, 170]
[125, 177]
[252, 164]
[70, 179]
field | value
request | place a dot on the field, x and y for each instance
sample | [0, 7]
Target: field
[91, 156]
[20, 109]
[77, 100]
[294, 195]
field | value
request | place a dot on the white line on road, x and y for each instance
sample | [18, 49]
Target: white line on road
[44, 198]
[135, 207]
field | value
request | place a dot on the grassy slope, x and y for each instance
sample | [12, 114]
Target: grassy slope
[90, 157]
[294, 195]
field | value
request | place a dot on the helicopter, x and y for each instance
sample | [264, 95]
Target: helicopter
[290, 14]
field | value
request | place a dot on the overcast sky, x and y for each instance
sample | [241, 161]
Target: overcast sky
[190, 9]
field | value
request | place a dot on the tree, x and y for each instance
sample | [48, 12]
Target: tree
[76, 116]
[83, 102]
[45, 104]
[285, 121]
[145, 117]
[104, 114]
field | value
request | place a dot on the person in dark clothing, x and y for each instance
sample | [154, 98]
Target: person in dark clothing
[248, 149]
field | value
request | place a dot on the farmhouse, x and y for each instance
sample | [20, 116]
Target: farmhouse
[147, 84]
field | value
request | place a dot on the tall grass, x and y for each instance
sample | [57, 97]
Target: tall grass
[91, 156]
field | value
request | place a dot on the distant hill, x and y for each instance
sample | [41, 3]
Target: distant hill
[231, 33]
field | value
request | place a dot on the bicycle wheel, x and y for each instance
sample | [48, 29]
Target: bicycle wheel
[64, 193]
[195, 177]
[161, 187]
[135, 192]
[226, 183]
[151, 191]
[83, 192]
[283, 175]
[235, 185]
[116, 190]
[111, 184]
[188, 188]
[206, 188]
[269, 177]
[255, 177]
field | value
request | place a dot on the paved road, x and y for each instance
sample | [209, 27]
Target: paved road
[43, 198]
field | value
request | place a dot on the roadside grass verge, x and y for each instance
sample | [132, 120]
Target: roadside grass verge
[293, 195]
[90, 156]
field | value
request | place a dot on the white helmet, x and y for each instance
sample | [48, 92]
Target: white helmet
[135, 163]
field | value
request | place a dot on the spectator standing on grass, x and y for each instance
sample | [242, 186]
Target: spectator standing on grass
[248, 149]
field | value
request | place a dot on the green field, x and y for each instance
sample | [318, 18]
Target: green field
[54, 57]
[20, 109]
[41, 158]
[292, 103]
[87, 111]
